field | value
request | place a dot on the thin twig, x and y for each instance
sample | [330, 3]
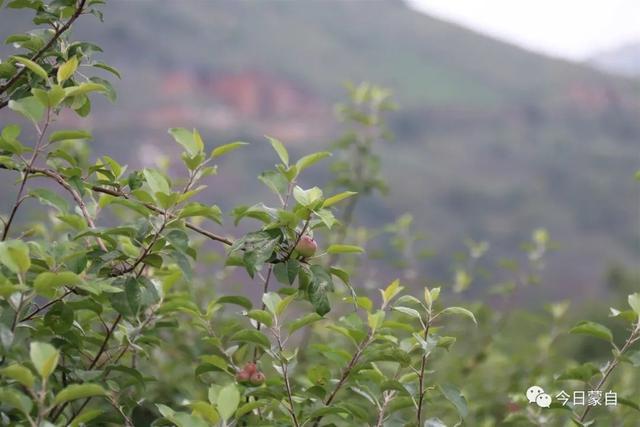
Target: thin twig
[25, 176]
[346, 372]
[95, 359]
[76, 197]
[156, 209]
[285, 374]
[47, 305]
[387, 398]
[635, 335]
[423, 365]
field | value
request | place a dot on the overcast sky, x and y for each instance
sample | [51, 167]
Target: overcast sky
[574, 29]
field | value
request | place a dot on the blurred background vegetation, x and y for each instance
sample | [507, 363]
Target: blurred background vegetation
[491, 141]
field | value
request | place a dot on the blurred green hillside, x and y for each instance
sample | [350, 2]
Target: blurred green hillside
[491, 141]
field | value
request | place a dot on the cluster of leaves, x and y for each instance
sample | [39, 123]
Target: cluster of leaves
[94, 305]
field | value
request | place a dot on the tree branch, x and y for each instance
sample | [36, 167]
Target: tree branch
[5, 87]
[97, 189]
[156, 209]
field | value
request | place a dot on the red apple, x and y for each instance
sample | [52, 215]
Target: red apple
[243, 377]
[306, 246]
[250, 368]
[257, 378]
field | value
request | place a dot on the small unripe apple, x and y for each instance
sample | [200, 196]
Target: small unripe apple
[250, 368]
[243, 377]
[306, 246]
[257, 378]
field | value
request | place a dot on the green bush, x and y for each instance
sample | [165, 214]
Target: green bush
[112, 310]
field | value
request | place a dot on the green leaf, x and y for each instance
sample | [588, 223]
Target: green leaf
[30, 107]
[20, 374]
[261, 316]
[326, 410]
[14, 398]
[375, 320]
[235, 299]
[83, 89]
[428, 298]
[634, 302]
[63, 135]
[629, 403]
[44, 357]
[271, 301]
[251, 336]
[307, 197]
[321, 284]
[582, 372]
[85, 416]
[47, 283]
[275, 181]
[226, 148]
[228, 401]
[303, 321]
[195, 209]
[108, 68]
[216, 361]
[326, 217]
[14, 254]
[391, 291]
[286, 272]
[248, 407]
[7, 70]
[434, 422]
[41, 95]
[67, 69]
[409, 312]
[284, 303]
[205, 410]
[453, 395]
[128, 302]
[107, 88]
[37, 69]
[280, 150]
[157, 182]
[311, 159]
[188, 140]
[11, 131]
[79, 391]
[181, 419]
[338, 198]
[461, 311]
[55, 96]
[594, 329]
[446, 342]
[344, 249]
[50, 198]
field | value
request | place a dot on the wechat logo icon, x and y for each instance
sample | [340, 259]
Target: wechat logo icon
[535, 394]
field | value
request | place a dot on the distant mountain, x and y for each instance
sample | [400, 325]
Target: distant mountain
[624, 60]
[492, 141]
